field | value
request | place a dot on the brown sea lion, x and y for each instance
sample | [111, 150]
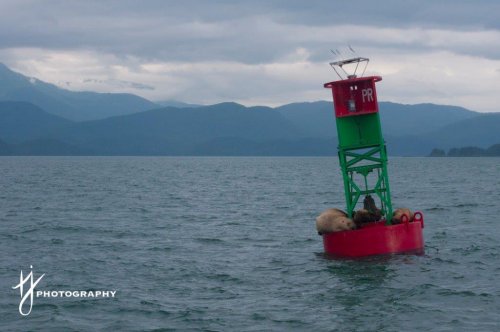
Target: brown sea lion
[364, 216]
[369, 204]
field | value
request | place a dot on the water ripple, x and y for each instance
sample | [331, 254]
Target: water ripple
[228, 244]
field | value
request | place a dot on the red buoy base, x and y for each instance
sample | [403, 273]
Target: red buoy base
[377, 239]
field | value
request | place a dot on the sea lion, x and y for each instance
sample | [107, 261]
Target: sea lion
[333, 220]
[364, 216]
[397, 215]
[369, 204]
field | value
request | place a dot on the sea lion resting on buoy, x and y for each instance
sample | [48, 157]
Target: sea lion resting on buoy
[364, 216]
[369, 213]
[333, 220]
[397, 215]
[369, 204]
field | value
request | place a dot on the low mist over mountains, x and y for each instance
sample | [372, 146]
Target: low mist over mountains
[38, 118]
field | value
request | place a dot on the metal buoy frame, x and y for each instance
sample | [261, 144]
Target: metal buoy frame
[363, 162]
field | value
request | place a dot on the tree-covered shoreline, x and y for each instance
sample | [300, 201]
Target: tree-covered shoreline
[467, 151]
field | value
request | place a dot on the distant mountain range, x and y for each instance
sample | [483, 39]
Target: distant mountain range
[38, 118]
[71, 105]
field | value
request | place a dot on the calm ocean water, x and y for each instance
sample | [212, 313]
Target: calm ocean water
[229, 244]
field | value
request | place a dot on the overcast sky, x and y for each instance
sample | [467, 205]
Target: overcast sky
[257, 52]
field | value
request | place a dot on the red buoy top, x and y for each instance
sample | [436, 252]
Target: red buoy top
[354, 96]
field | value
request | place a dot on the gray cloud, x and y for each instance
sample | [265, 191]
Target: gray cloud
[248, 31]
[203, 51]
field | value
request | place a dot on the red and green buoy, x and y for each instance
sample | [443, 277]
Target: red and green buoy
[363, 162]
